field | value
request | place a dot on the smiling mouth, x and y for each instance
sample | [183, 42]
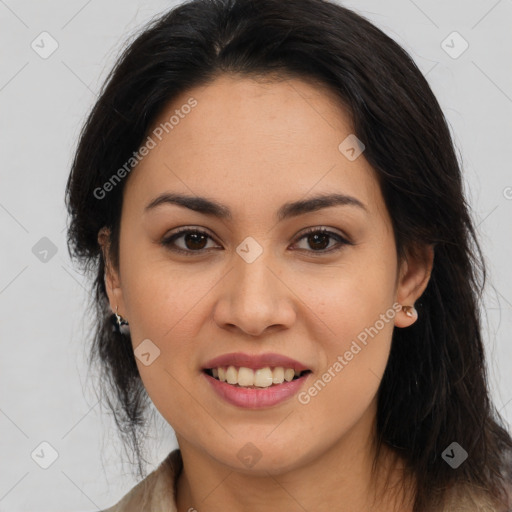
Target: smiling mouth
[265, 377]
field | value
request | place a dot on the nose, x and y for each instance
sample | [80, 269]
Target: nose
[254, 298]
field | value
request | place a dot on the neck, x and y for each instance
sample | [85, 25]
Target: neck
[337, 478]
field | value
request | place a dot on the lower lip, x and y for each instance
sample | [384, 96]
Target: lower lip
[254, 398]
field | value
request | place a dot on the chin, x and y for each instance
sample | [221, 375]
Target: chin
[260, 456]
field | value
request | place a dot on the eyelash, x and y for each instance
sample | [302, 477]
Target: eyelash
[168, 241]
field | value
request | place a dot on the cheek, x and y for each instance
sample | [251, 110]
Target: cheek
[355, 319]
[355, 354]
[163, 297]
[166, 305]
[352, 297]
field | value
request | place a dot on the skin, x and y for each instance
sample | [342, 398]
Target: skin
[253, 146]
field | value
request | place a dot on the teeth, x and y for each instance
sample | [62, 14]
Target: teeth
[263, 377]
[245, 377]
[260, 378]
[231, 375]
[278, 375]
[289, 373]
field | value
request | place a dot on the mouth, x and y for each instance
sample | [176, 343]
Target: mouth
[255, 381]
[255, 378]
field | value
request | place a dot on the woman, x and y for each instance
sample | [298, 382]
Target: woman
[268, 197]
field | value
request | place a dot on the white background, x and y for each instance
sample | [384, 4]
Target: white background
[46, 393]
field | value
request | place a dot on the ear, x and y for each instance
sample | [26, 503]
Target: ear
[413, 277]
[112, 279]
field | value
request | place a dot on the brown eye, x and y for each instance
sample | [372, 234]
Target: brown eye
[318, 240]
[196, 241]
[193, 240]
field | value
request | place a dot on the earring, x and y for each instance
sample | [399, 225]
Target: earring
[120, 324]
[410, 311]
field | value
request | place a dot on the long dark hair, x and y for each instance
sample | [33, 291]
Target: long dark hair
[434, 390]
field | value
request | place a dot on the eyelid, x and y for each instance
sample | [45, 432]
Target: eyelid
[168, 240]
[326, 230]
[342, 240]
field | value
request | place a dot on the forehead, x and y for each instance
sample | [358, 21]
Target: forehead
[256, 138]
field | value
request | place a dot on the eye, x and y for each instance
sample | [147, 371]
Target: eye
[196, 240]
[319, 239]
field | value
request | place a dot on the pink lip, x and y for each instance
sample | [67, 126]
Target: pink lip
[253, 398]
[254, 361]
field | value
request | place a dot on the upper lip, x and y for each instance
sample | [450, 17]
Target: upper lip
[254, 361]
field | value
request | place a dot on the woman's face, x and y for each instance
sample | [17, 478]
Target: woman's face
[257, 283]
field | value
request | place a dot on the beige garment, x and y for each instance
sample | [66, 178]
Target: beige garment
[157, 492]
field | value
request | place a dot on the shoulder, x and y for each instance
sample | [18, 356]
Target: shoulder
[470, 498]
[156, 491]
[465, 499]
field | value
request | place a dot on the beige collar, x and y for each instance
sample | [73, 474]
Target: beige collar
[156, 492]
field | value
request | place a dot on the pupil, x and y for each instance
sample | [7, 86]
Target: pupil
[321, 235]
[195, 239]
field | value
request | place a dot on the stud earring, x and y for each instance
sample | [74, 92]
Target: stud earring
[120, 324]
[410, 311]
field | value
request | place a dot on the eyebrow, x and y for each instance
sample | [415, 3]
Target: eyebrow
[213, 208]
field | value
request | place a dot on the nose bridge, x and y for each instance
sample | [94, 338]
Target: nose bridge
[255, 298]
[255, 287]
